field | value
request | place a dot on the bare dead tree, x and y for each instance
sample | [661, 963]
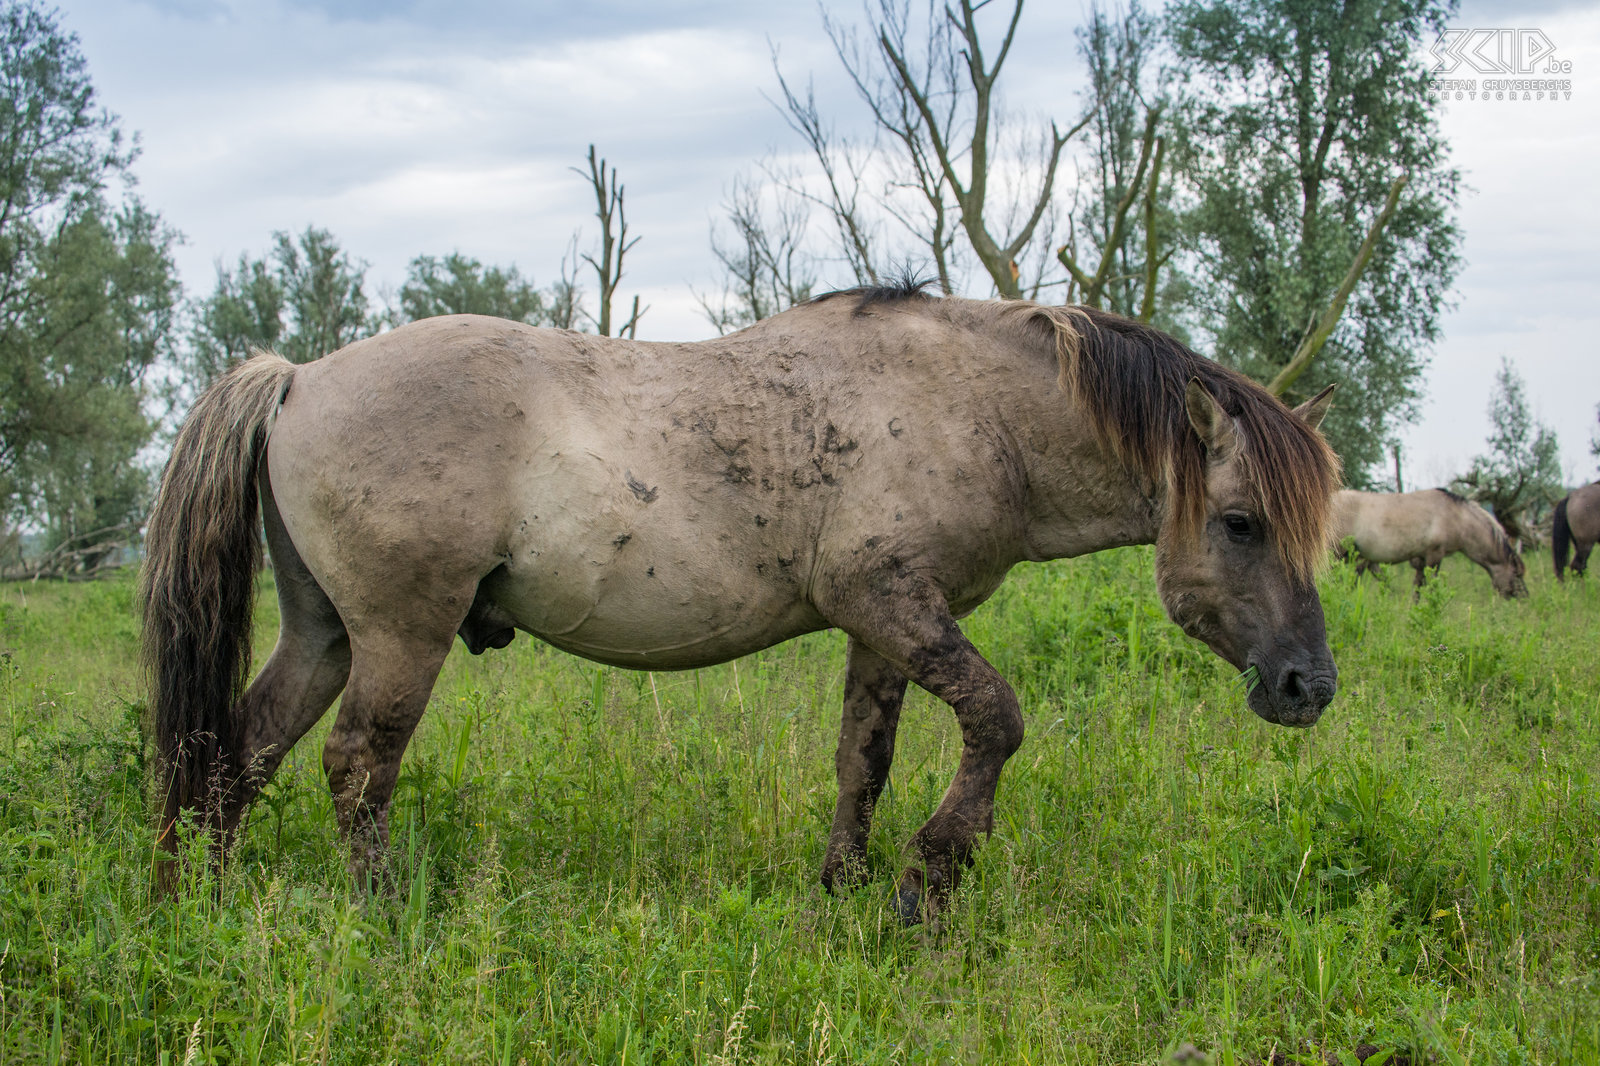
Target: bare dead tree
[935, 97]
[1091, 288]
[565, 298]
[80, 558]
[614, 244]
[765, 263]
[844, 166]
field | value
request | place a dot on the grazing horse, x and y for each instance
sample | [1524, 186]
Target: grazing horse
[874, 461]
[1422, 528]
[1576, 524]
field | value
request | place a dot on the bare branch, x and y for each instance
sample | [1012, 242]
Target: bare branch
[1152, 263]
[1312, 343]
[1094, 285]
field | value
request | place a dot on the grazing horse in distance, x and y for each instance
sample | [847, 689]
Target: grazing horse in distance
[873, 461]
[1576, 526]
[1422, 528]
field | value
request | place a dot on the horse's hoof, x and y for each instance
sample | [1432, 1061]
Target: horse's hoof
[908, 905]
[843, 874]
[908, 898]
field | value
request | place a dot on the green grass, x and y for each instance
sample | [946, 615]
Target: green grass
[602, 866]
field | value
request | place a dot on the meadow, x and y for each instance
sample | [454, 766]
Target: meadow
[598, 866]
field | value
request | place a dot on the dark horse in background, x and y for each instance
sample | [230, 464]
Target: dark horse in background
[873, 461]
[1576, 525]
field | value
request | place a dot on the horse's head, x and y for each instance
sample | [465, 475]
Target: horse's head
[1506, 571]
[1236, 569]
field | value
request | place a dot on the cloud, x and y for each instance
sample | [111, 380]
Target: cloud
[425, 126]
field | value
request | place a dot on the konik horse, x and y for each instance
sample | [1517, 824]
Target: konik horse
[874, 461]
[1421, 528]
[1576, 525]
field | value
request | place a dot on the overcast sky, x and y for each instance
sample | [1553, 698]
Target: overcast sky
[432, 126]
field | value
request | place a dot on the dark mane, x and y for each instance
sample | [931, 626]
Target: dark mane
[1131, 379]
[907, 286]
[1454, 496]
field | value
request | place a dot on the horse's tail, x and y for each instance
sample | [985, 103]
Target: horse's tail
[202, 552]
[1560, 539]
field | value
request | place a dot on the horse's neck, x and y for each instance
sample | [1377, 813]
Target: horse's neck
[1081, 497]
[1478, 540]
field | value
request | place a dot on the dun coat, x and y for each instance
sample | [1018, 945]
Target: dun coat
[873, 461]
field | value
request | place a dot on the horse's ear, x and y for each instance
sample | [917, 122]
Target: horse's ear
[1313, 410]
[1210, 421]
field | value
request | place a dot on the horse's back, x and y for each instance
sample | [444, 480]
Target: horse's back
[1396, 527]
[645, 504]
[1583, 512]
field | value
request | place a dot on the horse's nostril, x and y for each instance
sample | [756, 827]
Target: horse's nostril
[1293, 687]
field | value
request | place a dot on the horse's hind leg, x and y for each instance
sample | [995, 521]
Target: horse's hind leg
[391, 675]
[307, 669]
[873, 691]
[1420, 565]
[1580, 557]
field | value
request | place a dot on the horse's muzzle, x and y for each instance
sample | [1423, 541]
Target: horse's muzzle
[1297, 694]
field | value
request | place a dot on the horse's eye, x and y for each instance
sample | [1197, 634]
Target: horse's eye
[1237, 525]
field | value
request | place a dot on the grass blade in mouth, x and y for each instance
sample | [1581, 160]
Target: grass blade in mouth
[1249, 677]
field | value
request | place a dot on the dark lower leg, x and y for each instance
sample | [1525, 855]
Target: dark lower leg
[295, 689]
[991, 730]
[873, 691]
[308, 668]
[909, 625]
[388, 691]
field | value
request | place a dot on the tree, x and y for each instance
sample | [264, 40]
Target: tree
[840, 191]
[765, 264]
[1323, 217]
[1594, 437]
[306, 298]
[1520, 476]
[88, 291]
[244, 313]
[611, 210]
[932, 89]
[324, 294]
[457, 285]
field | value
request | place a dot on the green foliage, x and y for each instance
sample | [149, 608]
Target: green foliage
[604, 866]
[1519, 479]
[1298, 116]
[244, 312]
[87, 292]
[457, 285]
[305, 299]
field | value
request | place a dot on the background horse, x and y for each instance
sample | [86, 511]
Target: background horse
[1576, 523]
[873, 461]
[1422, 528]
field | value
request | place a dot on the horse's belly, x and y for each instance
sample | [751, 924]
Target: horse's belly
[648, 612]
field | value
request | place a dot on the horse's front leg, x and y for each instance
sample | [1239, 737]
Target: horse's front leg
[911, 627]
[1420, 565]
[873, 691]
